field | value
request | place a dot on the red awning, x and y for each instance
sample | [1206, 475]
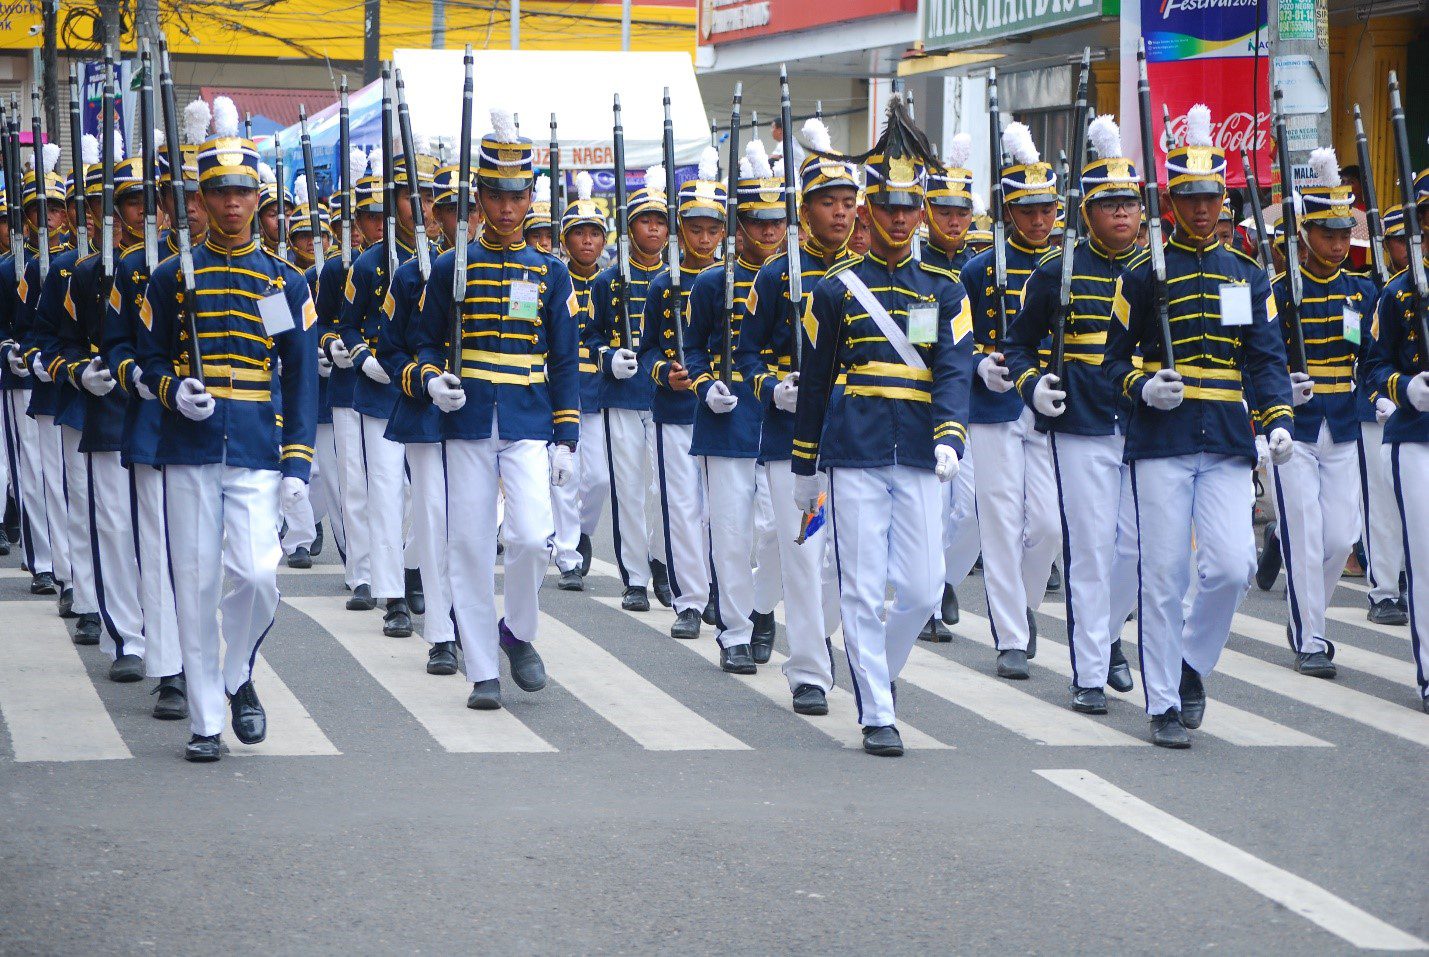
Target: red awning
[280, 106]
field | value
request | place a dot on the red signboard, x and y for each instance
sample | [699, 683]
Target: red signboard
[723, 21]
[1227, 85]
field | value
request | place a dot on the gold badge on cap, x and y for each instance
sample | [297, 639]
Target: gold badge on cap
[1199, 159]
[900, 171]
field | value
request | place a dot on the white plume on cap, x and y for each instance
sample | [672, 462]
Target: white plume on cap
[300, 190]
[758, 158]
[585, 185]
[504, 125]
[816, 134]
[89, 149]
[655, 178]
[746, 168]
[709, 163]
[1198, 125]
[1017, 144]
[1105, 137]
[543, 189]
[979, 206]
[225, 117]
[266, 174]
[51, 156]
[356, 162]
[374, 162]
[1326, 166]
[197, 116]
[422, 143]
[778, 168]
[959, 150]
[118, 145]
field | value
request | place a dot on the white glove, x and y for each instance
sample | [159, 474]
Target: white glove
[562, 465]
[1164, 390]
[17, 365]
[1302, 388]
[374, 371]
[96, 379]
[1281, 445]
[994, 374]
[137, 386]
[786, 393]
[1262, 452]
[193, 402]
[324, 364]
[1383, 409]
[38, 365]
[291, 491]
[340, 355]
[719, 399]
[624, 364]
[1418, 392]
[1047, 398]
[446, 392]
[947, 466]
[806, 492]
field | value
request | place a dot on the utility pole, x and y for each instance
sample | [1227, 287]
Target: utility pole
[439, 24]
[625, 25]
[515, 24]
[50, 11]
[371, 41]
[146, 22]
[1300, 65]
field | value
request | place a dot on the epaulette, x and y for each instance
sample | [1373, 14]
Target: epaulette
[935, 270]
[126, 250]
[1138, 259]
[843, 264]
[1250, 259]
[1054, 253]
[1278, 276]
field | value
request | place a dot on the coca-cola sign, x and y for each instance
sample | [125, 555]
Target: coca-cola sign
[1226, 85]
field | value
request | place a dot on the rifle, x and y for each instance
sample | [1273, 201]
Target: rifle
[148, 158]
[558, 191]
[791, 214]
[37, 140]
[309, 171]
[1267, 254]
[1153, 211]
[463, 215]
[1071, 233]
[281, 199]
[622, 233]
[181, 210]
[994, 209]
[1419, 305]
[1371, 204]
[731, 225]
[14, 179]
[389, 188]
[672, 251]
[344, 152]
[76, 137]
[414, 179]
[107, 160]
[1290, 226]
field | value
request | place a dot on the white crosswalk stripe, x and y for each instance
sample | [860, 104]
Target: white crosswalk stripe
[1354, 616]
[1346, 655]
[291, 730]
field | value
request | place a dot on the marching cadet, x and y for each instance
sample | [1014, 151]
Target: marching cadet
[271, 226]
[900, 331]
[360, 325]
[1316, 492]
[1189, 438]
[225, 477]
[515, 393]
[1396, 369]
[979, 234]
[949, 210]
[625, 400]
[1396, 245]
[828, 190]
[1225, 224]
[1086, 419]
[1016, 494]
[727, 422]
[583, 238]
[701, 205]
[537, 227]
[862, 235]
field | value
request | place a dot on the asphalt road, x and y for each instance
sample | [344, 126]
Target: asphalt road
[646, 802]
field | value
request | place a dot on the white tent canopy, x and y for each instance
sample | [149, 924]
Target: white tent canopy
[578, 86]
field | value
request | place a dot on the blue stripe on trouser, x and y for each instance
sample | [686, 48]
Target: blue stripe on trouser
[670, 569]
[1140, 594]
[1415, 639]
[1286, 553]
[98, 566]
[614, 501]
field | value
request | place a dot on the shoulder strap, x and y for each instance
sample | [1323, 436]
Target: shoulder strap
[895, 336]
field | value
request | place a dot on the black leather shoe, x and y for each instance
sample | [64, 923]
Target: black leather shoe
[761, 643]
[686, 626]
[710, 616]
[127, 669]
[1193, 697]
[1387, 611]
[1167, 730]
[571, 581]
[950, 605]
[883, 741]
[1088, 700]
[1012, 663]
[86, 629]
[1054, 579]
[737, 660]
[935, 631]
[1424, 703]
[203, 748]
[396, 621]
[301, 558]
[1119, 673]
[316, 548]
[250, 721]
[527, 669]
[810, 699]
[4, 546]
[635, 599]
[583, 550]
[416, 598]
[66, 603]
[1316, 664]
[485, 695]
[361, 599]
[44, 584]
[441, 658]
[660, 583]
[1031, 635]
[172, 703]
[1267, 567]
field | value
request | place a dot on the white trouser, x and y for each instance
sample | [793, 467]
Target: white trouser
[347, 440]
[1409, 464]
[1209, 496]
[116, 567]
[1384, 545]
[22, 450]
[429, 530]
[1099, 547]
[325, 487]
[384, 472]
[961, 541]
[683, 515]
[1317, 497]
[628, 455]
[767, 576]
[162, 657]
[887, 532]
[223, 525]
[79, 549]
[476, 469]
[52, 486]
[1017, 521]
[566, 514]
[593, 470]
[731, 487]
[302, 525]
[811, 594]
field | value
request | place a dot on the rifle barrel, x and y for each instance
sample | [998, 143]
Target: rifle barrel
[791, 215]
[463, 216]
[731, 221]
[1153, 210]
